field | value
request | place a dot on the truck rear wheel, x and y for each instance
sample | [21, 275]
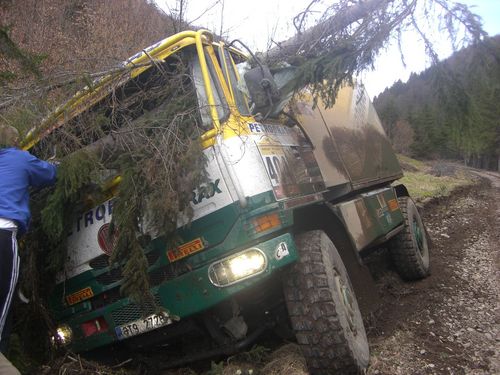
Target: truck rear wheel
[410, 249]
[323, 309]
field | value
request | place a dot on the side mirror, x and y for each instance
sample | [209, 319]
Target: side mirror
[262, 88]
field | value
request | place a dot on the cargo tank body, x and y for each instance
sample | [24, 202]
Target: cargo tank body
[350, 145]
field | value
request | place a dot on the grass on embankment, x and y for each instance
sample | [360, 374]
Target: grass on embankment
[423, 184]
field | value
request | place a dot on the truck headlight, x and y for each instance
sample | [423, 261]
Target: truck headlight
[237, 267]
[64, 334]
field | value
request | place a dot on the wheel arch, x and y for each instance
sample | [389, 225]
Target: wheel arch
[401, 191]
[320, 217]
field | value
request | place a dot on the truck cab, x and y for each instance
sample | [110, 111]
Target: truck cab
[295, 194]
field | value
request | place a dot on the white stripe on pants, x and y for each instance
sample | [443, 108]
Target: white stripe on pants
[13, 282]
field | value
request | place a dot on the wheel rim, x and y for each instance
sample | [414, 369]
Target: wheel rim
[347, 300]
[419, 235]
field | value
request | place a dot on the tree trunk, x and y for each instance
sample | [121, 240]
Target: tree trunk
[334, 24]
[107, 148]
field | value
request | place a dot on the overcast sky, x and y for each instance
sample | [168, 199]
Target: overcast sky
[256, 21]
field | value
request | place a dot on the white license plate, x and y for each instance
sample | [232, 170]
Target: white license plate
[142, 325]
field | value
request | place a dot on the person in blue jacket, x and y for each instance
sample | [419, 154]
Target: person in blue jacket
[19, 170]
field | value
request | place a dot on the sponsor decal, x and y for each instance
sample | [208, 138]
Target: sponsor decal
[292, 170]
[381, 211]
[106, 240]
[281, 251]
[186, 249]
[79, 296]
[388, 218]
[383, 205]
[393, 204]
[360, 106]
[277, 162]
[364, 216]
[258, 128]
[206, 191]
[101, 213]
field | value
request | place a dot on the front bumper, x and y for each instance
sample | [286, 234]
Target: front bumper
[183, 296]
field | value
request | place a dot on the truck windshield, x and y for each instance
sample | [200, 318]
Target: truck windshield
[221, 106]
[234, 80]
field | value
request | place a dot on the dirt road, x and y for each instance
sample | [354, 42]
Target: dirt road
[448, 323]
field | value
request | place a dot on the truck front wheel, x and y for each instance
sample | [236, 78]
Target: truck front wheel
[410, 249]
[323, 309]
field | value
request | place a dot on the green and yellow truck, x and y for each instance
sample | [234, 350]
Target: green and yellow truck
[278, 233]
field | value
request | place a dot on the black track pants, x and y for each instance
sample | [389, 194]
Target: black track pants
[9, 270]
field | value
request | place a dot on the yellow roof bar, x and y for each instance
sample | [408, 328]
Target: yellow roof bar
[135, 65]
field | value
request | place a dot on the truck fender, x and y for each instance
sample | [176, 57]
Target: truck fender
[401, 191]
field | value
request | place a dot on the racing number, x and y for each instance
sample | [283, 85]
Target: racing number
[278, 170]
[273, 167]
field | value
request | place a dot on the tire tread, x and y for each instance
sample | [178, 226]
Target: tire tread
[322, 339]
[403, 252]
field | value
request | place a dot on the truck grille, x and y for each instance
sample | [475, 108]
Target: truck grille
[133, 311]
[106, 298]
[100, 262]
[167, 272]
[109, 277]
[114, 274]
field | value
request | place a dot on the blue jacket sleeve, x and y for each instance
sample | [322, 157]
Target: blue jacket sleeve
[40, 172]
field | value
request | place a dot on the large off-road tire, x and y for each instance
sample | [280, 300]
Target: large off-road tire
[323, 309]
[410, 248]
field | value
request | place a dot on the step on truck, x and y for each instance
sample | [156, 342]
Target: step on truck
[297, 193]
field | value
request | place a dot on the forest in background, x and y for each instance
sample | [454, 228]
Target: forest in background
[81, 35]
[451, 110]
[50, 49]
